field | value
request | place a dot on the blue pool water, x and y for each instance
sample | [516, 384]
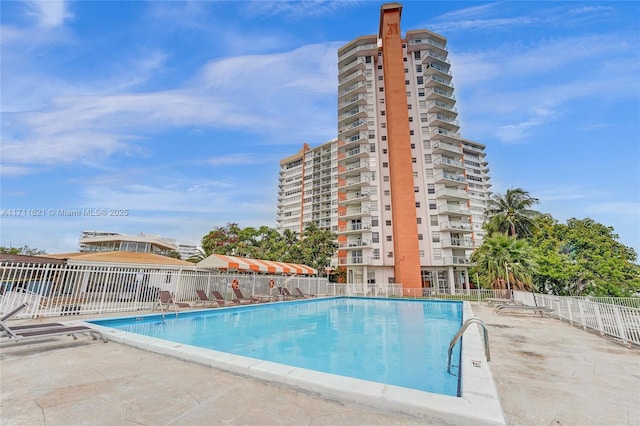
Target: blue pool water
[396, 342]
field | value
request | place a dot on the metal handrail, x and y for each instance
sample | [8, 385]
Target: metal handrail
[459, 334]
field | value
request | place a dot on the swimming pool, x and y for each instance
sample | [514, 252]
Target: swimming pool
[476, 404]
[400, 343]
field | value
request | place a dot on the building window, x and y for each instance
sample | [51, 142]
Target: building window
[384, 138]
[385, 164]
[427, 158]
[431, 188]
[406, 82]
[387, 207]
[432, 205]
[372, 147]
[410, 119]
[420, 80]
[372, 135]
[390, 254]
[420, 92]
[389, 238]
[409, 106]
[416, 189]
[382, 113]
[421, 253]
[381, 89]
[383, 125]
[406, 70]
[375, 237]
[380, 78]
[374, 221]
[413, 146]
[437, 253]
[379, 67]
[416, 54]
[385, 178]
[435, 236]
[419, 237]
[387, 222]
[414, 160]
[418, 68]
[418, 220]
[384, 150]
[417, 204]
[411, 132]
[434, 220]
[367, 59]
[376, 254]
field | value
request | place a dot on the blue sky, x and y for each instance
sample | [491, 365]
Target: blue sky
[180, 112]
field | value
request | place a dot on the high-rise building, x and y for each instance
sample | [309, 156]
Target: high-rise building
[411, 191]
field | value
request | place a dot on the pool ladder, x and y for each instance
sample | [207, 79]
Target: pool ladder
[459, 335]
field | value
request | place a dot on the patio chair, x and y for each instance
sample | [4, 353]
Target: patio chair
[39, 331]
[299, 293]
[165, 299]
[536, 309]
[219, 298]
[204, 299]
[244, 300]
[287, 294]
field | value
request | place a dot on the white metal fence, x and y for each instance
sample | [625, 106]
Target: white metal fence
[63, 289]
[618, 320]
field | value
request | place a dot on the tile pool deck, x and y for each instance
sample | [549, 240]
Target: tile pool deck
[545, 371]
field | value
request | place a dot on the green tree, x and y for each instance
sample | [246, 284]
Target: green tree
[317, 247]
[583, 257]
[198, 256]
[174, 254]
[26, 250]
[221, 240]
[511, 213]
[504, 261]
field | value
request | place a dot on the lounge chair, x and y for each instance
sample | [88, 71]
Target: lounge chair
[204, 299]
[244, 300]
[287, 294]
[536, 309]
[20, 333]
[219, 298]
[299, 293]
[165, 299]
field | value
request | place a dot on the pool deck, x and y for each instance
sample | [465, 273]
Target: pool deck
[546, 373]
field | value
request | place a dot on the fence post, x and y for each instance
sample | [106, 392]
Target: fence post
[620, 324]
[598, 318]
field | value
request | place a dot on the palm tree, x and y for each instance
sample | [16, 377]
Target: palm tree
[511, 213]
[504, 262]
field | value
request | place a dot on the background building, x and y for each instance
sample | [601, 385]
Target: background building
[411, 191]
[100, 241]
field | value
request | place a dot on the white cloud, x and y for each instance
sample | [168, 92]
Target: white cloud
[616, 209]
[50, 13]
[298, 9]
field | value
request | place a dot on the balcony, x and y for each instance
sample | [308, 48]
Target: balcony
[354, 244]
[445, 148]
[359, 152]
[358, 49]
[446, 135]
[428, 55]
[353, 101]
[357, 112]
[352, 78]
[354, 183]
[455, 209]
[358, 64]
[439, 106]
[452, 194]
[353, 128]
[458, 242]
[355, 198]
[433, 68]
[354, 89]
[445, 177]
[444, 121]
[440, 47]
[436, 93]
[353, 169]
[354, 228]
[459, 227]
[447, 163]
[355, 213]
[351, 260]
[456, 260]
[435, 81]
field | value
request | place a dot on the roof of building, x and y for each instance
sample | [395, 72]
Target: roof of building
[123, 257]
[219, 261]
[23, 258]
[132, 238]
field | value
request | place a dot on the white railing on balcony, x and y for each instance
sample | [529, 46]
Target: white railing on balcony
[456, 260]
[352, 100]
[429, 53]
[450, 176]
[444, 118]
[440, 68]
[354, 243]
[351, 88]
[351, 212]
[454, 208]
[458, 193]
[356, 195]
[442, 105]
[358, 61]
[352, 112]
[458, 242]
[354, 227]
[428, 41]
[357, 49]
[445, 132]
[456, 225]
[359, 122]
[441, 92]
[449, 161]
[351, 77]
